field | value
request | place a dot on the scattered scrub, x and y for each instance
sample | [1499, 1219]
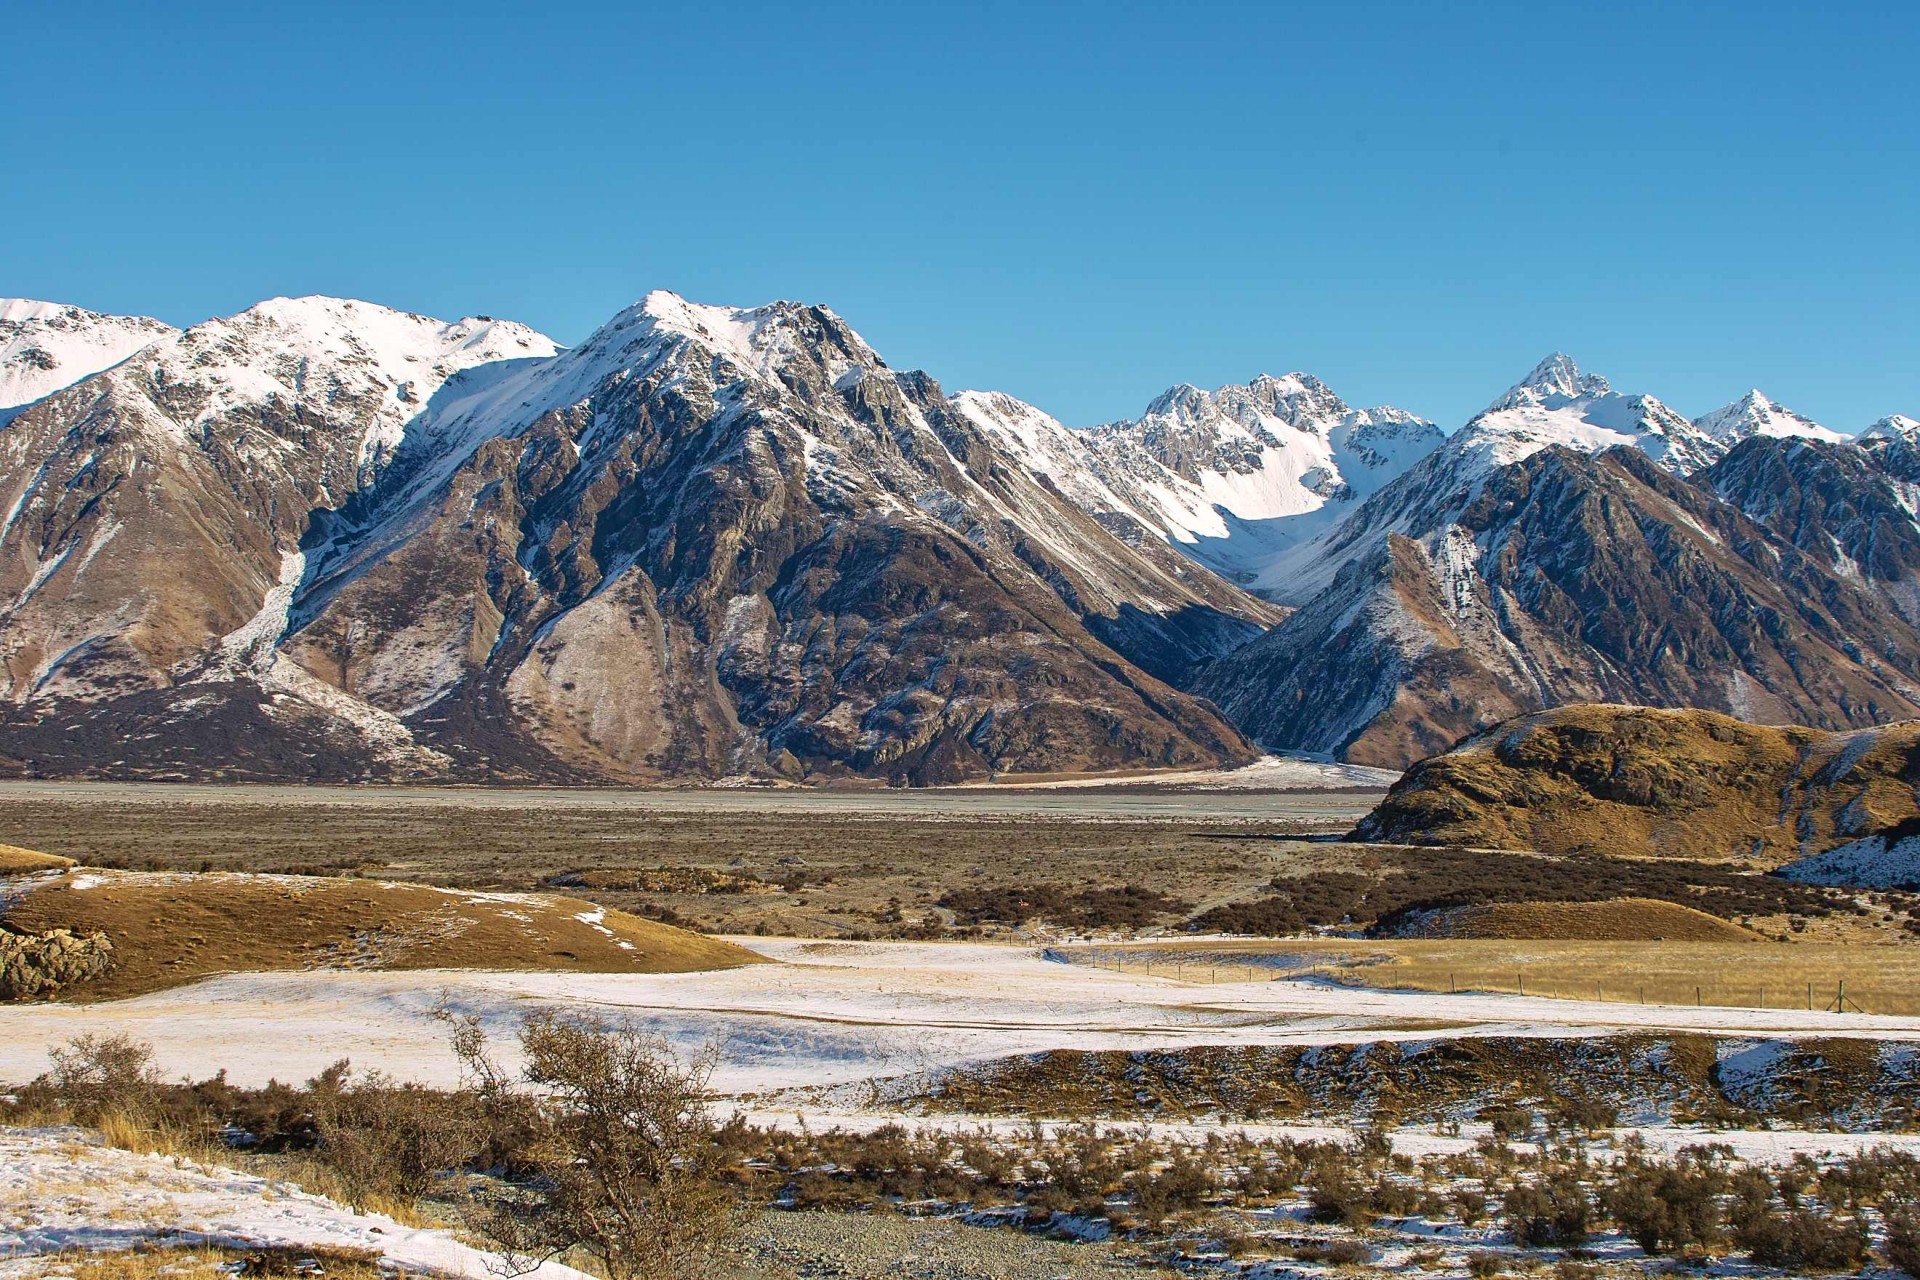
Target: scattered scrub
[1123, 907]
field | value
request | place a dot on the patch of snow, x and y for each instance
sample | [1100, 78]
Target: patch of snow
[1871, 862]
[61, 1190]
[45, 346]
[835, 1013]
[251, 645]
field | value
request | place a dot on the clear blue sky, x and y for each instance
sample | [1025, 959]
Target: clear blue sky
[1076, 203]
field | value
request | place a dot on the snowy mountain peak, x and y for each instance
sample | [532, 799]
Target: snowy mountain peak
[1754, 414]
[45, 346]
[1554, 382]
[1895, 426]
[20, 309]
[759, 340]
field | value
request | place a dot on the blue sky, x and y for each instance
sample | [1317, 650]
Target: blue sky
[1076, 203]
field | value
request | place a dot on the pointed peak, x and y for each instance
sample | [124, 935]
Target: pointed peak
[1757, 414]
[1555, 380]
[1181, 395]
[756, 339]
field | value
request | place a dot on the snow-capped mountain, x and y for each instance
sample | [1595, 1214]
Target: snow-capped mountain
[705, 541]
[1556, 405]
[1230, 477]
[1504, 572]
[45, 346]
[325, 539]
[151, 509]
[1894, 443]
[1753, 414]
[1566, 577]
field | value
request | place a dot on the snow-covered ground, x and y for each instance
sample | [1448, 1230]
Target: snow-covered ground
[833, 1013]
[61, 1190]
[1875, 861]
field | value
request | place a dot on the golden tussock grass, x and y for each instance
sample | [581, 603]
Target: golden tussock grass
[1880, 979]
[172, 928]
[160, 1260]
[15, 860]
[1644, 782]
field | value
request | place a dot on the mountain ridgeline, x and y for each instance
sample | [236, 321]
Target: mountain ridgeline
[322, 539]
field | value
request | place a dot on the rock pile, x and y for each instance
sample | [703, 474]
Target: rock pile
[34, 964]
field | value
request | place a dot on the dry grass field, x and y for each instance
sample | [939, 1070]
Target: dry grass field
[14, 860]
[1879, 979]
[169, 929]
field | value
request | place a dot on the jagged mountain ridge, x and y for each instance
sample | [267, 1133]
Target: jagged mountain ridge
[1566, 577]
[706, 541]
[1229, 477]
[712, 540]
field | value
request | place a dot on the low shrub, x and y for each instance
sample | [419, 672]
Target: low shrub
[1552, 1213]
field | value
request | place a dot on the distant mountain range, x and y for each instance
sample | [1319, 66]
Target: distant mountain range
[324, 539]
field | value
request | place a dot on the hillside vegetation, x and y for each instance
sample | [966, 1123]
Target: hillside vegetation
[1641, 782]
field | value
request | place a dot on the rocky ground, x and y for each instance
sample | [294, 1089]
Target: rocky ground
[865, 1246]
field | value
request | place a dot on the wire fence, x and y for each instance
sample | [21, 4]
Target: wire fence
[1830, 994]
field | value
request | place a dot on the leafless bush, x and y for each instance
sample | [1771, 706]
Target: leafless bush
[387, 1142]
[1550, 1213]
[627, 1161]
[1181, 1187]
[95, 1075]
[1903, 1240]
[1666, 1206]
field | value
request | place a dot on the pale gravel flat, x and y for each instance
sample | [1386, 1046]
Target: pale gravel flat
[846, 1246]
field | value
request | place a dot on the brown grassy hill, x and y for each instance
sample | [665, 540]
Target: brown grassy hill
[1641, 782]
[168, 929]
[14, 860]
[1621, 920]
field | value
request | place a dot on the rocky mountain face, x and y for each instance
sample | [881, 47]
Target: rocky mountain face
[1465, 596]
[326, 539]
[1851, 506]
[348, 542]
[1639, 782]
[152, 507]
